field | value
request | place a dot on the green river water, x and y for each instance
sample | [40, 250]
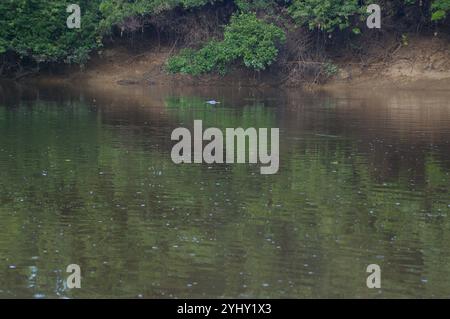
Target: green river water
[86, 178]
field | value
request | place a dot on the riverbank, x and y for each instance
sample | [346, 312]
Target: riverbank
[267, 43]
[421, 63]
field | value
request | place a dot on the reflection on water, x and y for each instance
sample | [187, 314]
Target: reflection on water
[86, 178]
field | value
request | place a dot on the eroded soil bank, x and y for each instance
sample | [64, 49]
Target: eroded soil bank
[421, 63]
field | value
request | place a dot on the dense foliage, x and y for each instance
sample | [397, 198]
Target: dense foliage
[37, 28]
[440, 9]
[324, 14]
[246, 38]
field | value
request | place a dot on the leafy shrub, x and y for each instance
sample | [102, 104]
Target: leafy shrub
[246, 38]
[37, 28]
[213, 57]
[330, 69]
[253, 40]
[440, 9]
[324, 14]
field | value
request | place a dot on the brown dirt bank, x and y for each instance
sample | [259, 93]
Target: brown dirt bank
[418, 63]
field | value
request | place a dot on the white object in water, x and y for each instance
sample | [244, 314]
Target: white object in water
[212, 102]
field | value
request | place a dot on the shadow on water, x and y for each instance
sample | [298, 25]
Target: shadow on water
[86, 177]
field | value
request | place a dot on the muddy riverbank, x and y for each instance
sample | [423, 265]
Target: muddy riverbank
[423, 63]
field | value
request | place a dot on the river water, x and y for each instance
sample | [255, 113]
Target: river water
[86, 178]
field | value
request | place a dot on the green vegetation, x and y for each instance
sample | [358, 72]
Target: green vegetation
[246, 38]
[324, 14]
[212, 57]
[36, 29]
[440, 9]
[330, 69]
